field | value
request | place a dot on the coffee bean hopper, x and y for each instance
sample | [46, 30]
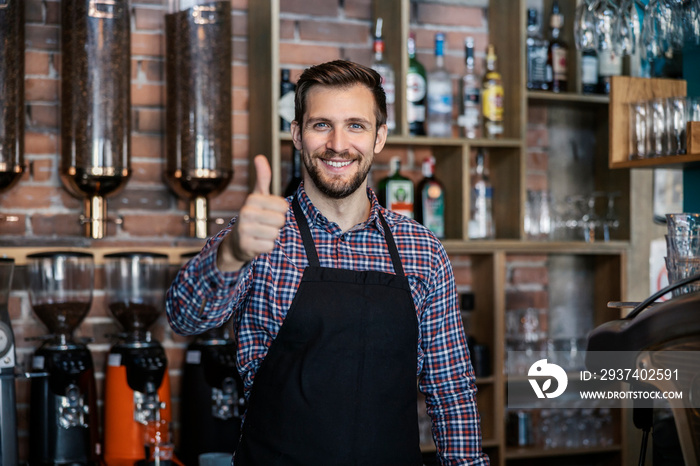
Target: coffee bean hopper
[212, 395]
[137, 408]
[63, 424]
[8, 410]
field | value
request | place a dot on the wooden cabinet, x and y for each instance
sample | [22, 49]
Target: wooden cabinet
[489, 260]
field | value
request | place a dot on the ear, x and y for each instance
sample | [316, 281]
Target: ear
[296, 134]
[380, 140]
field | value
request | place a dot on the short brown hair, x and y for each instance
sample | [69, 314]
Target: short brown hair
[340, 73]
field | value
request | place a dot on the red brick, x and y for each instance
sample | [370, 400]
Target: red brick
[327, 31]
[318, 7]
[148, 120]
[28, 197]
[537, 137]
[40, 143]
[240, 148]
[528, 275]
[239, 76]
[33, 11]
[358, 55]
[239, 49]
[536, 181]
[307, 54]
[53, 12]
[41, 89]
[239, 4]
[61, 225]
[148, 19]
[239, 99]
[36, 62]
[148, 225]
[143, 199]
[150, 70]
[43, 116]
[14, 227]
[41, 37]
[537, 160]
[449, 15]
[147, 44]
[239, 26]
[42, 170]
[358, 9]
[525, 299]
[146, 146]
[147, 95]
[229, 201]
[287, 29]
[240, 123]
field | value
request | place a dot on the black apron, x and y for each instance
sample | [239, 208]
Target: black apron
[338, 384]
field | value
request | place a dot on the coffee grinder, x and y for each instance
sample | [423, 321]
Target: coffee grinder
[8, 411]
[137, 410]
[212, 394]
[63, 427]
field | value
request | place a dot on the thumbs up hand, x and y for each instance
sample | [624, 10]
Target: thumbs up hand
[258, 225]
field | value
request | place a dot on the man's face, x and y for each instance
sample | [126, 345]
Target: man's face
[338, 138]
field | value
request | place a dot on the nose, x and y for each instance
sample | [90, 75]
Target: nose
[337, 141]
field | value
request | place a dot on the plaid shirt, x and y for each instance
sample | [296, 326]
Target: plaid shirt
[258, 296]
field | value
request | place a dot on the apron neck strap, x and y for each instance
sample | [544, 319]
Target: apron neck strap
[308, 240]
[306, 237]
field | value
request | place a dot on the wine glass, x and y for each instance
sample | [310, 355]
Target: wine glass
[585, 36]
[611, 221]
[607, 14]
[626, 28]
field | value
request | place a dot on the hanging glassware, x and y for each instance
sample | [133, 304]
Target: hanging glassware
[198, 107]
[95, 104]
[585, 24]
[11, 93]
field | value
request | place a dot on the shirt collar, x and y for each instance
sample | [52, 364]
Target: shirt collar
[317, 219]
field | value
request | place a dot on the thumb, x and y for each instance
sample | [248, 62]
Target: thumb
[263, 176]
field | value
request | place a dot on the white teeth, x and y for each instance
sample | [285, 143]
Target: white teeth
[338, 164]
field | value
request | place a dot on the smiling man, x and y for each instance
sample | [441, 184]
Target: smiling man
[339, 305]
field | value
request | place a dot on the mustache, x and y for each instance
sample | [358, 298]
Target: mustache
[329, 154]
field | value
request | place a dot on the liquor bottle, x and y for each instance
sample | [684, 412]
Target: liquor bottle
[386, 71]
[492, 97]
[557, 52]
[610, 64]
[481, 213]
[439, 94]
[429, 204]
[536, 50]
[396, 191]
[286, 102]
[415, 91]
[589, 71]
[470, 119]
[296, 174]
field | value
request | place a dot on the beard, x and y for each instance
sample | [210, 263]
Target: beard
[335, 187]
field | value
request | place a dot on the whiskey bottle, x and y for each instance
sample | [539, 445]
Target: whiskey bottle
[439, 94]
[396, 191]
[386, 71]
[430, 200]
[470, 119]
[589, 71]
[536, 50]
[492, 97]
[557, 52]
[610, 64]
[416, 90]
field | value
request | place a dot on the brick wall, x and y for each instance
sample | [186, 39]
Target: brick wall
[151, 213]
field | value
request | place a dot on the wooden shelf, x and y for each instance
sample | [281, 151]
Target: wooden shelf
[532, 452]
[569, 97]
[535, 247]
[19, 254]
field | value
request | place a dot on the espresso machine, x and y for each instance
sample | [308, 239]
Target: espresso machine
[137, 409]
[8, 411]
[212, 394]
[63, 427]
